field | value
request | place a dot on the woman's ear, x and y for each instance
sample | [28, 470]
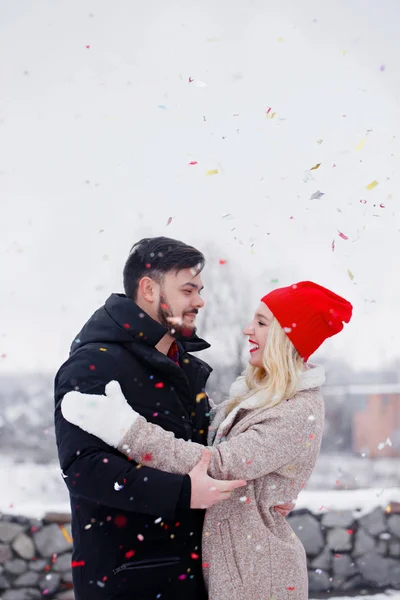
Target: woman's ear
[147, 289]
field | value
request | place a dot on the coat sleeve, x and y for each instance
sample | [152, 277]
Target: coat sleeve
[97, 472]
[261, 449]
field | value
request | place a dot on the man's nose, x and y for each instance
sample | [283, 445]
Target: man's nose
[200, 302]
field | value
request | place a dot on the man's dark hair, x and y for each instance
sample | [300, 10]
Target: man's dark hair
[155, 257]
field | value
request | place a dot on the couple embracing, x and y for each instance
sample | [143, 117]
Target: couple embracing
[173, 497]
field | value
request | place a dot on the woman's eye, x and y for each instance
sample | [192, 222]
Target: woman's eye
[261, 324]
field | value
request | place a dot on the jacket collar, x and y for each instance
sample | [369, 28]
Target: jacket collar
[313, 377]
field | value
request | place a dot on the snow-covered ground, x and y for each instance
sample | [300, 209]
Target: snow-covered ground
[32, 489]
[389, 595]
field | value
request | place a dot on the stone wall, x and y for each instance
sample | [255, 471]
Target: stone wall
[343, 553]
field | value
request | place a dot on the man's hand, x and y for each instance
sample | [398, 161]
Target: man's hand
[207, 491]
[285, 509]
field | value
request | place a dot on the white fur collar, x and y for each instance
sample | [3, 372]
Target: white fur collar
[314, 377]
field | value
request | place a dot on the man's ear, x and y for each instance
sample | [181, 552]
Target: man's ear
[147, 289]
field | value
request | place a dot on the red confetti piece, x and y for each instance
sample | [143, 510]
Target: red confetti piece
[333, 246]
[338, 556]
[191, 80]
[382, 206]
[363, 202]
[195, 556]
[159, 385]
[148, 266]
[248, 501]
[222, 261]
[105, 578]
[311, 436]
[268, 110]
[350, 531]
[87, 46]
[205, 565]
[120, 521]
[182, 577]
[169, 221]
[192, 163]
[164, 306]
[77, 563]
[342, 235]
[291, 588]
[130, 553]
[92, 367]
[147, 457]
[127, 326]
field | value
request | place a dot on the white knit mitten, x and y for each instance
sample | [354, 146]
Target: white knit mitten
[108, 417]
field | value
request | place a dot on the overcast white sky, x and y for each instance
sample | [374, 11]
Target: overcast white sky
[98, 122]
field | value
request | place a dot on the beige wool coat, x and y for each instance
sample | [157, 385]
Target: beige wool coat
[250, 551]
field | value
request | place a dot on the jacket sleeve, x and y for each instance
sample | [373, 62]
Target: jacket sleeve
[99, 473]
[261, 449]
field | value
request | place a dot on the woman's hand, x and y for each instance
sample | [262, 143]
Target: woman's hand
[285, 509]
[108, 417]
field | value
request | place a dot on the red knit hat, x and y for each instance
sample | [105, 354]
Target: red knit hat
[308, 313]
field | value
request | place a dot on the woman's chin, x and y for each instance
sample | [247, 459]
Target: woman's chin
[254, 362]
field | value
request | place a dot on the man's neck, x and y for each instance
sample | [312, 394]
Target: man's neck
[165, 343]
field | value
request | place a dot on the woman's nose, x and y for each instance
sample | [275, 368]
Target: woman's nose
[248, 330]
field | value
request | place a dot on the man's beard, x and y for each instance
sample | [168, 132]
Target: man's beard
[176, 326]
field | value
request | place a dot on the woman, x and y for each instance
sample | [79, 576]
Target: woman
[268, 433]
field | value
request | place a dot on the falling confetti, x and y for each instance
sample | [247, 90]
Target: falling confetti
[212, 172]
[118, 487]
[200, 397]
[140, 537]
[162, 106]
[342, 235]
[319, 141]
[169, 221]
[147, 457]
[193, 163]
[159, 385]
[315, 167]
[333, 245]
[350, 274]
[66, 534]
[361, 144]
[363, 202]
[222, 261]
[77, 563]
[317, 195]
[371, 185]
[383, 444]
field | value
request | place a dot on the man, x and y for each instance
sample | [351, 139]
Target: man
[136, 530]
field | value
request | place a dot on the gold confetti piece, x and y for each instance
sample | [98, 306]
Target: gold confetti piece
[361, 144]
[66, 534]
[212, 172]
[315, 167]
[350, 274]
[200, 397]
[103, 349]
[371, 185]
[280, 39]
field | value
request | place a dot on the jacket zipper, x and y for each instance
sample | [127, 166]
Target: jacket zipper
[148, 564]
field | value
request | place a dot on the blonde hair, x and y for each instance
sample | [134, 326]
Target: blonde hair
[279, 375]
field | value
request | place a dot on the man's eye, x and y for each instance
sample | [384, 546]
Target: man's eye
[187, 292]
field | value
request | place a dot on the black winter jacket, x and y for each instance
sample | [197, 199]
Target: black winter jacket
[134, 535]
